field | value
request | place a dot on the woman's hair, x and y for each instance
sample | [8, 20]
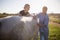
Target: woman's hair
[26, 5]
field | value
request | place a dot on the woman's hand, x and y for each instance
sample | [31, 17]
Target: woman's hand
[20, 15]
[34, 17]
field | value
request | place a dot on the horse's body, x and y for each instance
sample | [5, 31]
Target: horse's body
[18, 28]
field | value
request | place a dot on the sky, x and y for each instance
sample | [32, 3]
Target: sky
[15, 6]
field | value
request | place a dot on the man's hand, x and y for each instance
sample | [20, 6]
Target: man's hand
[38, 24]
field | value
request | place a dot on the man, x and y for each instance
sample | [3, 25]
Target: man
[43, 24]
[25, 11]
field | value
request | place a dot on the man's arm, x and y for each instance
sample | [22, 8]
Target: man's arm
[28, 15]
[40, 25]
[20, 13]
[46, 21]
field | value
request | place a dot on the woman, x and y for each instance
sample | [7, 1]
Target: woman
[25, 11]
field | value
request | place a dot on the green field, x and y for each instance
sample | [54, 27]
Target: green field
[56, 20]
[54, 32]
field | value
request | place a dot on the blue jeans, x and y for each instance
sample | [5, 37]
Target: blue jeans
[43, 36]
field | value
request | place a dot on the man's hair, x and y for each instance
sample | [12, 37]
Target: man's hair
[26, 5]
[45, 7]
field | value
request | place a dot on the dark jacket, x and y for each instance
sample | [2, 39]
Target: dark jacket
[23, 13]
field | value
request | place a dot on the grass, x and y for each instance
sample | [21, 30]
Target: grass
[56, 20]
[1, 16]
[54, 32]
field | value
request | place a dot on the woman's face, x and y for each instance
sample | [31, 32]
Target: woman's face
[27, 8]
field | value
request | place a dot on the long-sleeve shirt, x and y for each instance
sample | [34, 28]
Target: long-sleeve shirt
[43, 19]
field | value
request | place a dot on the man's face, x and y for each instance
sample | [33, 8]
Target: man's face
[27, 8]
[44, 10]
